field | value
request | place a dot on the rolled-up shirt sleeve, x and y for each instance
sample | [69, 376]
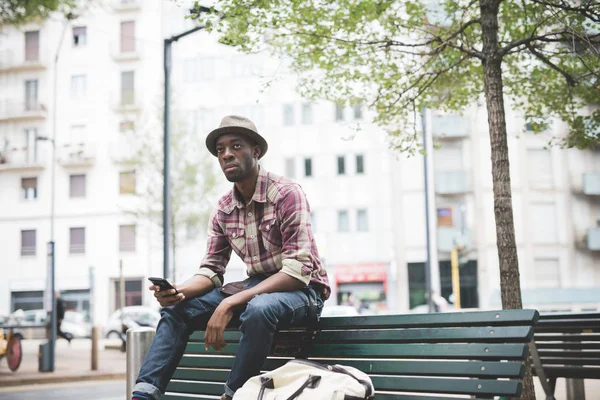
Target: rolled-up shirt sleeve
[294, 214]
[218, 252]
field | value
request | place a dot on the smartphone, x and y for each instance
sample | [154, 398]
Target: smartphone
[162, 283]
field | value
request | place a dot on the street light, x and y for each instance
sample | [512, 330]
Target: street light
[51, 244]
[166, 153]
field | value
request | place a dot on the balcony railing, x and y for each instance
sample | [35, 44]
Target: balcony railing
[591, 184]
[22, 158]
[452, 182]
[127, 100]
[11, 60]
[449, 126]
[14, 111]
[126, 5]
[76, 155]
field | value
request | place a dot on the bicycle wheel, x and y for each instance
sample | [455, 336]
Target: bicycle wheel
[14, 353]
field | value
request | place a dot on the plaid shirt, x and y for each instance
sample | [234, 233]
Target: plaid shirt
[271, 233]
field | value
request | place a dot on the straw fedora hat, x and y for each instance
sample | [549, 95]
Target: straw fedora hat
[236, 124]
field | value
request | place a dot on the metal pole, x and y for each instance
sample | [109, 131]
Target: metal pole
[121, 287]
[53, 320]
[427, 233]
[166, 156]
[166, 180]
[138, 343]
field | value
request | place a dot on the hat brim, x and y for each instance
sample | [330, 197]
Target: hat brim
[211, 139]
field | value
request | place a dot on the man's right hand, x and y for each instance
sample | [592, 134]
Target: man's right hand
[167, 297]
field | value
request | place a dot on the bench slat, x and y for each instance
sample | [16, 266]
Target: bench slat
[582, 337]
[572, 372]
[570, 353]
[569, 346]
[171, 396]
[215, 389]
[482, 351]
[437, 320]
[481, 387]
[431, 335]
[389, 396]
[388, 367]
[569, 361]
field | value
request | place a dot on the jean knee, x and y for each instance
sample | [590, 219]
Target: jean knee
[259, 310]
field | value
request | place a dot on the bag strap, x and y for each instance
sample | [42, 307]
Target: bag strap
[311, 382]
[266, 383]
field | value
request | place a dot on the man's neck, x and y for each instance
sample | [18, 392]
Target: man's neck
[247, 186]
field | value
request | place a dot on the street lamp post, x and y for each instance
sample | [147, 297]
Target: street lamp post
[51, 244]
[166, 140]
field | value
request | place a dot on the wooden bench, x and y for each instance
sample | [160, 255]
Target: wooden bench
[567, 345]
[478, 354]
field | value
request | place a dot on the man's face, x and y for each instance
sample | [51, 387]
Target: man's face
[237, 155]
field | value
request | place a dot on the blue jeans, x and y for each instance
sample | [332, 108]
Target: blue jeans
[263, 315]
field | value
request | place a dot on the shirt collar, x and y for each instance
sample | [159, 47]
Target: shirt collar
[232, 199]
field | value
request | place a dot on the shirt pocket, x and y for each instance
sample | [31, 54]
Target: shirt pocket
[270, 233]
[237, 239]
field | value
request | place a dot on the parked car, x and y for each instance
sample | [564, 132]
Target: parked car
[141, 315]
[76, 324]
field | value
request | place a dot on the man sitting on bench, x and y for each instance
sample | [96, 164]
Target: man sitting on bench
[265, 219]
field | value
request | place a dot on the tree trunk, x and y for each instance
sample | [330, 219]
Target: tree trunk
[510, 284]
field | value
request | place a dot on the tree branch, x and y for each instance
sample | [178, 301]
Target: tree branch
[585, 10]
[571, 81]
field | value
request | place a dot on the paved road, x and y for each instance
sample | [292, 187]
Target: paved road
[93, 390]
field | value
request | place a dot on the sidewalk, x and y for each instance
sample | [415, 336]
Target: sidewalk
[73, 363]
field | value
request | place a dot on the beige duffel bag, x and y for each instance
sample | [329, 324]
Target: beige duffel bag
[308, 380]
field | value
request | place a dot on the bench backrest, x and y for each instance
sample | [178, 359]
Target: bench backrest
[475, 353]
[568, 345]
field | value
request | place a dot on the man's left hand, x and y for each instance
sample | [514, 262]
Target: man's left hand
[213, 336]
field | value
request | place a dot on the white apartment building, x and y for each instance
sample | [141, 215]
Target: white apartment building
[367, 202]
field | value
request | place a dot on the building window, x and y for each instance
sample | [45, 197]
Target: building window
[307, 117]
[127, 88]
[126, 126]
[127, 36]
[288, 114]
[28, 242]
[546, 272]
[127, 238]
[77, 186]
[30, 145]
[29, 188]
[32, 46]
[31, 95]
[362, 220]
[539, 169]
[542, 222]
[78, 86]
[308, 167]
[360, 164]
[341, 165]
[343, 221]
[357, 108]
[132, 294]
[127, 182]
[77, 241]
[339, 112]
[290, 168]
[79, 36]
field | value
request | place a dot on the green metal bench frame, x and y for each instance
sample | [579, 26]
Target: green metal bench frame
[566, 345]
[409, 357]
